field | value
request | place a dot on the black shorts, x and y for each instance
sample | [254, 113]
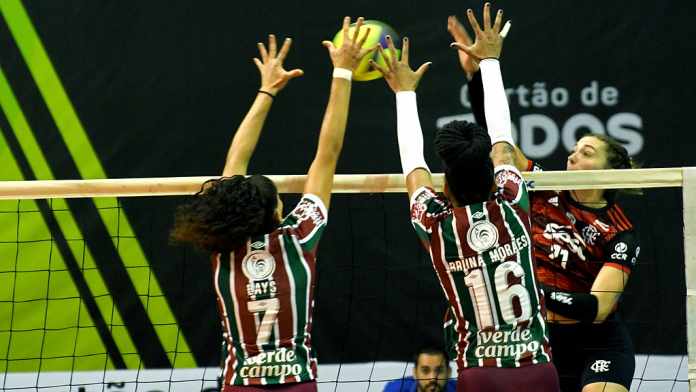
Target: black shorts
[588, 353]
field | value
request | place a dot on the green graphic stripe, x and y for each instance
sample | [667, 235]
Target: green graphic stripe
[43, 306]
[89, 166]
[39, 230]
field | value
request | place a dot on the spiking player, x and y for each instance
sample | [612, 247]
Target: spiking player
[479, 243]
[585, 248]
[265, 267]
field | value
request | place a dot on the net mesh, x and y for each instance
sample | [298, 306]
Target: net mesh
[94, 297]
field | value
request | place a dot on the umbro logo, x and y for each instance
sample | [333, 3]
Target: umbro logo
[257, 245]
[554, 201]
[478, 215]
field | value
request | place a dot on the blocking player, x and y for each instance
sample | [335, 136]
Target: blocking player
[479, 241]
[264, 266]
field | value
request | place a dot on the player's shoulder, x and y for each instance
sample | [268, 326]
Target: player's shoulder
[616, 215]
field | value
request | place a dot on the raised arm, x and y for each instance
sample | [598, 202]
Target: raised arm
[485, 53]
[404, 81]
[273, 79]
[344, 59]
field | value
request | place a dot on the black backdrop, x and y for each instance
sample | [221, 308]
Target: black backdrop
[160, 87]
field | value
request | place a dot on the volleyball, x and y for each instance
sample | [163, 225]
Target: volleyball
[378, 35]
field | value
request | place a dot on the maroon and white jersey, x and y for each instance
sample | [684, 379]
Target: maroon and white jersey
[265, 292]
[482, 255]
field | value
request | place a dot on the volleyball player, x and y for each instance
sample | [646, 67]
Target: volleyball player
[479, 241]
[585, 248]
[264, 266]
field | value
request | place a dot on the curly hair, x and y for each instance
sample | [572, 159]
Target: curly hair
[226, 212]
[465, 150]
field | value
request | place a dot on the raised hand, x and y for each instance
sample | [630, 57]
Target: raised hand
[273, 76]
[489, 41]
[458, 32]
[398, 73]
[350, 53]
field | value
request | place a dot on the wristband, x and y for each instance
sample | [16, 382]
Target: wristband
[267, 93]
[343, 73]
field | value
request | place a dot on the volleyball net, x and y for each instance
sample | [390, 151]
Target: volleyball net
[93, 296]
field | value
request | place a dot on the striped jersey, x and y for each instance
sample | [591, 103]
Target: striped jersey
[264, 294]
[573, 242]
[482, 255]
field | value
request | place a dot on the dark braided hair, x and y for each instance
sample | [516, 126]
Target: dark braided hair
[465, 150]
[226, 212]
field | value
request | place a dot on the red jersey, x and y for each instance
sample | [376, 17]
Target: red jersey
[572, 242]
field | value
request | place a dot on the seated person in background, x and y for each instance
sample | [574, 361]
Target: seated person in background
[431, 372]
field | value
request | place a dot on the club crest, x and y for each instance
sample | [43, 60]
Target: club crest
[258, 265]
[482, 235]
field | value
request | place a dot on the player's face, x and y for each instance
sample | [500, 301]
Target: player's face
[588, 154]
[431, 373]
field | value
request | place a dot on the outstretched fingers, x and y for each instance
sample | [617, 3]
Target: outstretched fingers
[384, 70]
[404, 50]
[285, 49]
[387, 60]
[473, 22]
[421, 70]
[498, 21]
[457, 30]
[487, 16]
[272, 47]
[358, 25]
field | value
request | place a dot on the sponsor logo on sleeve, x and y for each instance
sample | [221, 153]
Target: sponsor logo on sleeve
[620, 252]
[635, 258]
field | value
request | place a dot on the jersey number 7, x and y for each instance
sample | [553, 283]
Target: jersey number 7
[270, 308]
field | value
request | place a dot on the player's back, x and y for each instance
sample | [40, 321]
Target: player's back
[264, 293]
[482, 254]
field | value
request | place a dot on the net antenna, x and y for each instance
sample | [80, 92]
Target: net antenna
[689, 205]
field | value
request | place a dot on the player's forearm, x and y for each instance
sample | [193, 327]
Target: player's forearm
[247, 136]
[576, 306]
[409, 133]
[495, 104]
[333, 127]
[475, 94]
